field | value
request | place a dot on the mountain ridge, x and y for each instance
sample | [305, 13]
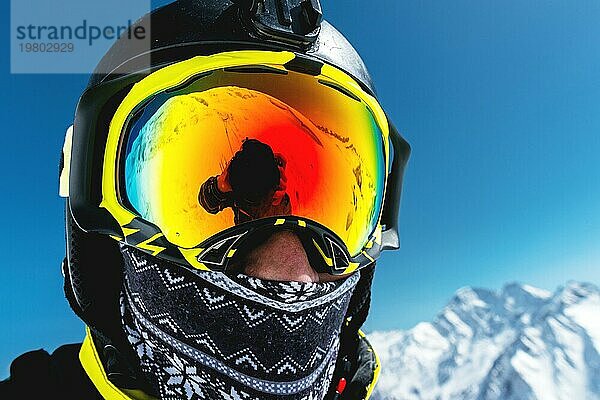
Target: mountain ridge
[517, 343]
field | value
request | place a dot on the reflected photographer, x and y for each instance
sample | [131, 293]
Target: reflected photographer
[253, 184]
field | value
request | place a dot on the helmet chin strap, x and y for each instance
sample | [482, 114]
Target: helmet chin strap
[93, 278]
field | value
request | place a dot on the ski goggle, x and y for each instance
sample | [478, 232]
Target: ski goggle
[202, 154]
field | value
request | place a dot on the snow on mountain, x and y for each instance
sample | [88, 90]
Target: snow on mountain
[517, 344]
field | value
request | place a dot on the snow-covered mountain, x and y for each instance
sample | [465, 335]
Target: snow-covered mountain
[521, 343]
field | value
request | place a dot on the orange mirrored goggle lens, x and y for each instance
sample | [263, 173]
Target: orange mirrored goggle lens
[287, 144]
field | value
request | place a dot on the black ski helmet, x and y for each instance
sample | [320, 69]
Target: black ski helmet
[181, 30]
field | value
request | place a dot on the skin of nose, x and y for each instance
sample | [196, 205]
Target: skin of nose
[283, 258]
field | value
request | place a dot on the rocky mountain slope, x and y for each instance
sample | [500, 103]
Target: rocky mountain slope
[521, 343]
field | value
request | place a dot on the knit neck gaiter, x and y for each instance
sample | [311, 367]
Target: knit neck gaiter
[207, 335]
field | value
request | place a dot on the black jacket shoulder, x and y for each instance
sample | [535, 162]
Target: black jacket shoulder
[40, 375]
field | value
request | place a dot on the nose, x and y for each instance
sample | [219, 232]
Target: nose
[280, 258]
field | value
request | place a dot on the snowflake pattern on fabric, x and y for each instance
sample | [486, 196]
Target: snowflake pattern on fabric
[202, 335]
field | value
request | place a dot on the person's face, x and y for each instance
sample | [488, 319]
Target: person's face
[283, 258]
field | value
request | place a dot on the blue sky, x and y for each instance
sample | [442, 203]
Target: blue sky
[499, 100]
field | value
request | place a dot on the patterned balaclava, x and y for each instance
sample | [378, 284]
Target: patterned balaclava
[207, 335]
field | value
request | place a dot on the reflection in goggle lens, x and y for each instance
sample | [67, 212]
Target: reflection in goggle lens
[234, 147]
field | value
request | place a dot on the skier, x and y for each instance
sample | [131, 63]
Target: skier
[182, 303]
[253, 184]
